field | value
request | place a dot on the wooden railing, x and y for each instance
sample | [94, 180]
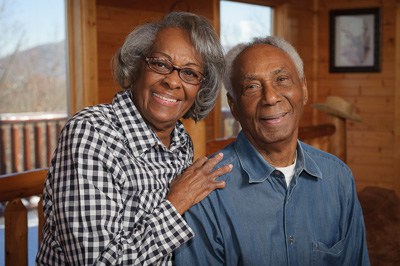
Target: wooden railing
[13, 188]
[24, 137]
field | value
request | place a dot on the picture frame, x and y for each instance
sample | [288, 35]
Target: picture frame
[355, 40]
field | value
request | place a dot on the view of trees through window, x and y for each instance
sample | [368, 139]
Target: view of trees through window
[33, 81]
[240, 22]
[32, 56]
[33, 93]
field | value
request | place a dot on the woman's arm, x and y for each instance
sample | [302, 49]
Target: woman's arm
[86, 207]
[89, 210]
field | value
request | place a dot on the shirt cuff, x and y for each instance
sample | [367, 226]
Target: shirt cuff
[179, 230]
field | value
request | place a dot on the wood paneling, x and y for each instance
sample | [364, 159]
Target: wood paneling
[370, 149]
[116, 19]
[82, 51]
[396, 153]
[373, 146]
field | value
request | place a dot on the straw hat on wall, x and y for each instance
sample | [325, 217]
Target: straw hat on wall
[337, 106]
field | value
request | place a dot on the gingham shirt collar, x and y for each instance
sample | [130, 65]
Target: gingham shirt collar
[138, 132]
[95, 184]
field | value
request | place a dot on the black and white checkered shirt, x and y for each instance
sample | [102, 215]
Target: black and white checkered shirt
[104, 197]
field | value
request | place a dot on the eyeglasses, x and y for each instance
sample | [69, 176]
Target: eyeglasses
[165, 67]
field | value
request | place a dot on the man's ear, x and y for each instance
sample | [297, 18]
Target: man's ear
[232, 105]
[304, 90]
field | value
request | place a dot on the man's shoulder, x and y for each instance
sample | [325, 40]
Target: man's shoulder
[229, 155]
[320, 155]
[331, 167]
[228, 151]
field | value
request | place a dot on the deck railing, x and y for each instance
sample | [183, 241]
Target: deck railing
[27, 140]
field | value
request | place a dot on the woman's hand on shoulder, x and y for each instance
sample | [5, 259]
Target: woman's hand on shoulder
[196, 182]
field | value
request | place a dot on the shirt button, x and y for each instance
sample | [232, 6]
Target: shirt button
[291, 239]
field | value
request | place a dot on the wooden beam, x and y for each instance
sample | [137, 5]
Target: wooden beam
[338, 144]
[281, 21]
[396, 160]
[197, 132]
[213, 120]
[82, 53]
[315, 61]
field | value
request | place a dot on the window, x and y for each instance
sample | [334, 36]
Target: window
[33, 92]
[240, 22]
[33, 81]
[32, 56]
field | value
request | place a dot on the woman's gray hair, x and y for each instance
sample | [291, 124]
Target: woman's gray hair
[205, 40]
[270, 40]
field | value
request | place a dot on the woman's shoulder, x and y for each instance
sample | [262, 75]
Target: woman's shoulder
[93, 114]
[92, 118]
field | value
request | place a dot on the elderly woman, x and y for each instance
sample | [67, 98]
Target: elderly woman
[117, 184]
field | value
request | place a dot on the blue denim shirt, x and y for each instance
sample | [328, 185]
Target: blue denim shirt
[258, 220]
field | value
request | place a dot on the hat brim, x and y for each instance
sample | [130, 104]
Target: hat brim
[330, 110]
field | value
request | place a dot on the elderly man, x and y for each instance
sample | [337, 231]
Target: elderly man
[285, 203]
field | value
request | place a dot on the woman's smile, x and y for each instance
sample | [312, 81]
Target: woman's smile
[165, 99]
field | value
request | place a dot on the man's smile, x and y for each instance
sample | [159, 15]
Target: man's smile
[274, 119]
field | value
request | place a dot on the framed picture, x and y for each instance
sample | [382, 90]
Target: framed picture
[354, 40]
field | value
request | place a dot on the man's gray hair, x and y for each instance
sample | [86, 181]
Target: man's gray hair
[205, 40]
[270, 40]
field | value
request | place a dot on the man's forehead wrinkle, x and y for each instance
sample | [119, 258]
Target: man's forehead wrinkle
[274, 71]
[249, 77]
[281, 69]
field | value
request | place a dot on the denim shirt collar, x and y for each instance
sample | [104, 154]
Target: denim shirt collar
[259, 170]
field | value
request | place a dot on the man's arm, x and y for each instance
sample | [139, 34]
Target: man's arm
[207, 247]
[356, 252]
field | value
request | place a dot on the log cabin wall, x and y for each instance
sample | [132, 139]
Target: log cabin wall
[300, 31]
[116, 19]
[373, 145]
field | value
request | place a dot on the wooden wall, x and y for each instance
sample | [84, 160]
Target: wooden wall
[295, 21]
[116, 19]
[301, 33]
[371, 144]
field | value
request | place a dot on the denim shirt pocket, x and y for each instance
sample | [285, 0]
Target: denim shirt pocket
[322, 255]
